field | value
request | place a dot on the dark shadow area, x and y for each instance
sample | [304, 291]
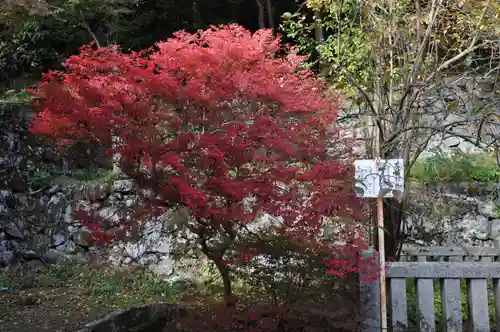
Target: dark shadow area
[180, 318]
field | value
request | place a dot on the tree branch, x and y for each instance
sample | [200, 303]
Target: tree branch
[472, 46]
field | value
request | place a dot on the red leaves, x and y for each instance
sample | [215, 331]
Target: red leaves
[97, 235]
[349, 260]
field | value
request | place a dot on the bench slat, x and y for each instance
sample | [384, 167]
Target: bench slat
[450, 274]
[477, 303]
[451, 304]
[462, 270]
[399, 308]
[496, 294]
[451, 251]
[425, 305]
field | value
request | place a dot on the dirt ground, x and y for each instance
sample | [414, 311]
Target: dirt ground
[64, 298]
[37, 313]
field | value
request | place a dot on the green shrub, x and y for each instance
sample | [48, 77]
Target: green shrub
[41, 179]
[15, 96]
[459, 167]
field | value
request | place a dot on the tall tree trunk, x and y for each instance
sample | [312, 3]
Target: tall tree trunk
[270, 17]
[262, 11]
[393, 219]
[198, 19]
[319, 36]
[394, 216]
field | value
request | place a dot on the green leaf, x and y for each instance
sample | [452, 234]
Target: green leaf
[476, 110]
[452, 106]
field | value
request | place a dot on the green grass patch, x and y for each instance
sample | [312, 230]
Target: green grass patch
[91, 288]
[81, 176]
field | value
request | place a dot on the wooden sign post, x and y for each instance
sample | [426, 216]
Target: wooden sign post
[380, 179]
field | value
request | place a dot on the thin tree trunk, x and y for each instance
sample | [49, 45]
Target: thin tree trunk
[226, 280]
[94, 37]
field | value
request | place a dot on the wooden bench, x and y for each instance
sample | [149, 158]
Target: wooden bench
[449, 265]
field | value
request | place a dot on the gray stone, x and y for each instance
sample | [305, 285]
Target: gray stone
[164, 267]
[7, 249]
[54, 189]
[63, 243]
[81, 237]
[487, 209]
[495, 226]
[68, 215]
[68, 247]
[115, 200]
[123, 186]
[97, 192]
[150, 259]
[29, 254]
[40, 242]
[56, 207]
[130, 202]
[15, 229]
[7, 200]
[54, 256]
[110, 214]
[59, 239]
[82, 205]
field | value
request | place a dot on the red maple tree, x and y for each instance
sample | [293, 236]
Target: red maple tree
[223, 123]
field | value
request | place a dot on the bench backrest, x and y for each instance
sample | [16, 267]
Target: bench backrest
[447, 265]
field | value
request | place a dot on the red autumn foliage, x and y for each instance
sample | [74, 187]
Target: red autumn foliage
[222, 122]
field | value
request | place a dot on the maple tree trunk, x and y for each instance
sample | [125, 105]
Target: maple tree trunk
[226, 280]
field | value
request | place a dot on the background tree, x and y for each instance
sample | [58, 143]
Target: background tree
[419, 73]
[38, 35]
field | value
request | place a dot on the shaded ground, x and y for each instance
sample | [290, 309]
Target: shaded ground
[63, 298]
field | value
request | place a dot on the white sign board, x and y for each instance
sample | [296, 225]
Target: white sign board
[379, 178]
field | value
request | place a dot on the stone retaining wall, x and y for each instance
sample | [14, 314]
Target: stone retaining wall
[44, 225]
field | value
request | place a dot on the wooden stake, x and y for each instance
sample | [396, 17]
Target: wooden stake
[381, 253]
